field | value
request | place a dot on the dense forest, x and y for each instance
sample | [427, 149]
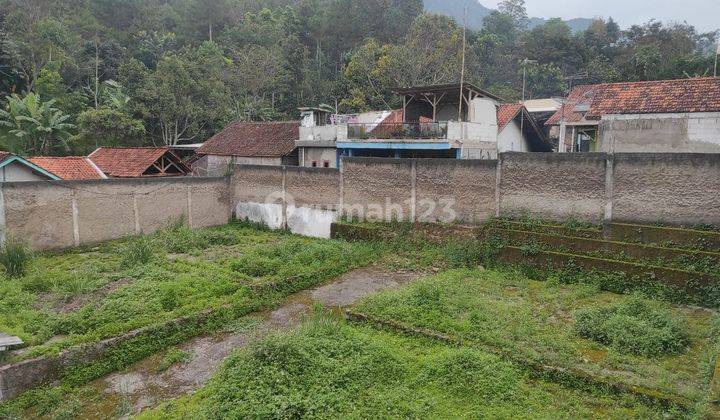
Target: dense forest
[76, 74]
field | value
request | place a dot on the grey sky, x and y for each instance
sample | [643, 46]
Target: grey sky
[704, 14]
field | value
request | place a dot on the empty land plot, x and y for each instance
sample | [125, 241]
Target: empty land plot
[330, 369]
[85, 295]
[538, 322]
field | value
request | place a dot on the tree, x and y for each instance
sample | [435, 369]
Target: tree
[185, 95]
[430, 53]
[38, 126]
[107, 127]
[516, 10]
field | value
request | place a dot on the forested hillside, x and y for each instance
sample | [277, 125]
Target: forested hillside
[75, 74]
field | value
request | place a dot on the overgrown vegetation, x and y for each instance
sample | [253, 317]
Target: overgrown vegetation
[636, 326]
[83, 296]
[14, 256]
[532, 321]
[328, 369]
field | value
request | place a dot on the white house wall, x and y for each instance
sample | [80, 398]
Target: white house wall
[668, 133]
[511, 139]
[17, 172]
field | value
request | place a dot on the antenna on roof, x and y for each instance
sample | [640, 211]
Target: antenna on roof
[462, 69]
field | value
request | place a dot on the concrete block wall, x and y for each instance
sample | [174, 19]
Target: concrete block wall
[670, 188]
[62, 214]
[304, 200]
[553, 186]
[455, 190]
[641, 188]
[378, 189]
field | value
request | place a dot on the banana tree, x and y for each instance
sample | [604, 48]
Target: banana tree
[38, 125]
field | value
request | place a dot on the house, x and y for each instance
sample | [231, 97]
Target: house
[69, 167]
[670, 116]
[442, 121]
[138, 162]
[517, 130]
[14, 168]
[248, 143]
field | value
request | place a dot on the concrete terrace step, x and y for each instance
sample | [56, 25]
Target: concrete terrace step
[679, 237]
[608, 248]
[689, 281]
[660, 236]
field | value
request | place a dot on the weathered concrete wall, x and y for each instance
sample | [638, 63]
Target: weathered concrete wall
[39, 213]
[642, 188]
[61, 214]
[304, 200]
[661, 133]
[671, 188]
[455, 190]
[378, 189]
[553, 186]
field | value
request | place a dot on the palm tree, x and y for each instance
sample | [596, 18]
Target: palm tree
[39, 125]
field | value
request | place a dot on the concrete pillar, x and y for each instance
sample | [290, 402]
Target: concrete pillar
[413, 191]
[609, 187]
[3, 226]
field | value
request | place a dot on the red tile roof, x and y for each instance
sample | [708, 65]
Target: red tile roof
[652, 97]
[580, 95]
[4, 155]
[130, 162]
[257, 139]
[69, 167]
[657, 97]
[507, 113]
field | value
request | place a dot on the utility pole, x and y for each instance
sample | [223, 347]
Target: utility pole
[524, 63]
[717, 52]
[462, 69]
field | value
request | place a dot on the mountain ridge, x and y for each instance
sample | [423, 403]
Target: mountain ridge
[477, 13]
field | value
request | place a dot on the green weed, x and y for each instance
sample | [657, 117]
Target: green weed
[635, 326]
[139, 250]
[15, 257]
[173, 356]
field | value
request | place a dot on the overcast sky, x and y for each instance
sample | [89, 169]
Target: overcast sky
[704, 14]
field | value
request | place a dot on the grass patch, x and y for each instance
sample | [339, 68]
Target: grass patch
[88, 294]
[635, 326]
[329, 369]
[139, 250]
[533, 320]
[14, 256]
[173, 356]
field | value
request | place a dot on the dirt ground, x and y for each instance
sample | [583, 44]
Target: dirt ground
[141, 386]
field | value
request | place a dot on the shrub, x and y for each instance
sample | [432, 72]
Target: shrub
[14, 256]
[635, 326]
[139, 251]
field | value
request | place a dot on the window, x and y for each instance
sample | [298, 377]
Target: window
[326, 164]
[314, 164]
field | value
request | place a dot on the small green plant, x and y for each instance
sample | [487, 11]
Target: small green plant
[139, 251]
[635, 326]
[172, 357]
[178, 237]
[14, 256]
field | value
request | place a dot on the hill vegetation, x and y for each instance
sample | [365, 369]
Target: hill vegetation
[77, 74]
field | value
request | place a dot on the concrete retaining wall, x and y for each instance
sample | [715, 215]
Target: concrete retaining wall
[637, 188]
[553, 186]
[62, 214]
[670, 188]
